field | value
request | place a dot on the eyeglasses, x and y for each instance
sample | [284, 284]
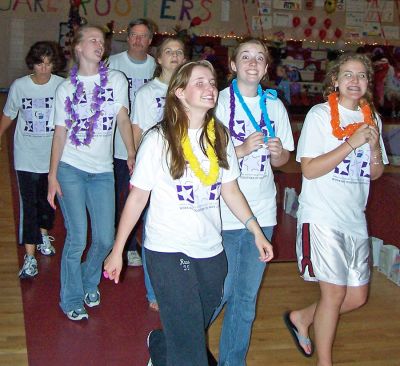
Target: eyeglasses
[139, 35]
[170, 52]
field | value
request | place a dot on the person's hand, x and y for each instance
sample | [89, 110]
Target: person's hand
[113, 266]
[252, 143]
[265, 248]
[364, 134]
[275, 147]
[53, 189]
[130, 162]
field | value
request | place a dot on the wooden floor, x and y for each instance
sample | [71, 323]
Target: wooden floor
[367, 337]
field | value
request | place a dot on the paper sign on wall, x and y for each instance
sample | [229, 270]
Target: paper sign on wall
[287, 5]
[261, 22]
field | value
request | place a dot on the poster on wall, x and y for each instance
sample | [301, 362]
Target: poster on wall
[379, 11]
[262, 22]
[264, 7]
[354, 19]
[283, 20]
[287, 5]
[391, 32]
[355, 5]
[372, 30]
[340, 5]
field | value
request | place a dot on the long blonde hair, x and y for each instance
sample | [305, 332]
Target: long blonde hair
[175, 123]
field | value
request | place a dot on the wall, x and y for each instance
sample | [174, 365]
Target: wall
[26, 21]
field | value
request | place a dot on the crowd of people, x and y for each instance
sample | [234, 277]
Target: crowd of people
[142, 135]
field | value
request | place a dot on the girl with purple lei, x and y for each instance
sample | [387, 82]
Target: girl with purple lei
[261, 133]
[88, 106]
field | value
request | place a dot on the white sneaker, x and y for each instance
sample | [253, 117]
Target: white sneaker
[29, 268]
[46, 248]
[134, 259]
[77, 314]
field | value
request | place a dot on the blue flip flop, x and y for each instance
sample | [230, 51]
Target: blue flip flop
[297, 337]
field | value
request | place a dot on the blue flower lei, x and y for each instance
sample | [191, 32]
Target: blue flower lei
[268, 94]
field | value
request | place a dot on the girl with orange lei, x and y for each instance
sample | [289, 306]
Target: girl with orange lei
[341, 151]
[186, 162]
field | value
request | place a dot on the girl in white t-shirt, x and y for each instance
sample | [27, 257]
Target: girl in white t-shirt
[148, 110]
[31, 98]
[186, 162]
[262, 136]
[341, 151]
[89, 104]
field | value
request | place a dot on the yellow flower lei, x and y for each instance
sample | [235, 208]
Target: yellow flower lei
[212, 176]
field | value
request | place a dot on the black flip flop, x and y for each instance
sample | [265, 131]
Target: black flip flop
[297, 337]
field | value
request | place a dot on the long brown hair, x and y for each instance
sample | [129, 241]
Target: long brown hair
[333, 75]
[175, 123]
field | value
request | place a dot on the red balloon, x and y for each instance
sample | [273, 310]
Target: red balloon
[312, 21]
[322, 34]
[307, 32]
[327, 23]
[296, 21]
[195, 22]
[338, 33]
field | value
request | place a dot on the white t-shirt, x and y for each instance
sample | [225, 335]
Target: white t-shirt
[256, 180]
[97, 157]
[149, 104]
[338, 198]
[183, 215]
[137, 73]
[33, 104]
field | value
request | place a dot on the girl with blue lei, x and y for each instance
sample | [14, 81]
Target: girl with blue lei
[89, 104]
[261, 133]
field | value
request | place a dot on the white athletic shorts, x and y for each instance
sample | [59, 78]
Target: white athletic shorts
[328, 255]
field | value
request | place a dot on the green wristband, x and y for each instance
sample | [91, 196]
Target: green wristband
[248, 220]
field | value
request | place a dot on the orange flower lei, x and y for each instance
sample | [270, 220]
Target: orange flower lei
[339, 132]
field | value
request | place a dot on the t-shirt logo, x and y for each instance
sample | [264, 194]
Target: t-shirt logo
[36, 113]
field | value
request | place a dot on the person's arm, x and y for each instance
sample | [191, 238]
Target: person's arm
[317, 167]
[279, 155]
[137, 135]
[376, 162]
[124, 125]
[133, 208]
[5, 123]
[57, 147]
[237, 203]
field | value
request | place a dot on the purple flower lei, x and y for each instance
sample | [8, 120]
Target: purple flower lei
[72, 121]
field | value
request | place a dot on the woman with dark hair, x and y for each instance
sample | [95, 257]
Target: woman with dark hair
[89, 104]
[31, 99]
[186, 162]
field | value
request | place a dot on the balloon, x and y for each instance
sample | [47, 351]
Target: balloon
[307, 32]
[195, 22]
[296, 21]
[327, 23]
[312, 21]
[338, 33]
[322, 34]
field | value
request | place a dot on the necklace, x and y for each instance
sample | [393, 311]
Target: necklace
[212, 176]
[95, 106]
[264, 120]
[339, 132]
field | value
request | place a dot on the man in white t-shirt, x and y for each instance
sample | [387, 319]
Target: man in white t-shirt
[138, 66]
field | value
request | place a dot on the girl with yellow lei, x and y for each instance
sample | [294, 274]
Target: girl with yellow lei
[186, 162]
[341, 151]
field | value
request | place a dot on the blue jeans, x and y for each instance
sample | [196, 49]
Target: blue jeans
[122, 178]
[245, 273]
[80, 191]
